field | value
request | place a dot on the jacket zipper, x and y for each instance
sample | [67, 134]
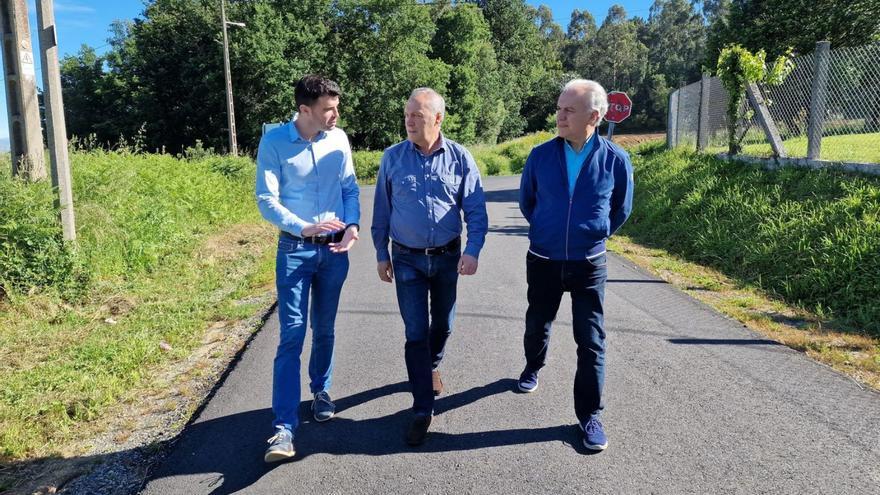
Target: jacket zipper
[571, 196]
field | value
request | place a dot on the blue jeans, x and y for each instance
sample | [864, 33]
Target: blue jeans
[300, 268]
[418, 276]
[585, 280]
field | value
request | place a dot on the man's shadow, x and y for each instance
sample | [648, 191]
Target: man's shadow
[229, 450]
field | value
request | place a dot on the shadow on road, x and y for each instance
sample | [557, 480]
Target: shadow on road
[229, 450]
[521, 230]
[502, 196]
[724, 341]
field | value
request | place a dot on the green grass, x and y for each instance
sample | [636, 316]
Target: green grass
[810, 237]
[165, 246]
[858, 148]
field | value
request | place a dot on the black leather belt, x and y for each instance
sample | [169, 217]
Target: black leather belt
[453, 246]
[316, 239]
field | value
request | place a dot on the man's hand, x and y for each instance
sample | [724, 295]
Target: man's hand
[386, 272]
[351, 235]
[324, 227]
[467, 265]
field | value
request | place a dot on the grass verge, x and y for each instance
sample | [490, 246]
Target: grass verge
[792, 253]
[168, 253]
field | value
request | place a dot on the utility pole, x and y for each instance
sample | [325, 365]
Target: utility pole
[56, 129]
[230, 109]
[26, 137]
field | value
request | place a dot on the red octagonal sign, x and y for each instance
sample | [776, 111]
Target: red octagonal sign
[619, 107]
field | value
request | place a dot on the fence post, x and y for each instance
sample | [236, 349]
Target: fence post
[672, 120]
[765, 119]
[818, 95]
[703, 117]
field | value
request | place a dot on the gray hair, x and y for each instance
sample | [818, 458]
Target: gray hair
[597, 98]
[438, 104]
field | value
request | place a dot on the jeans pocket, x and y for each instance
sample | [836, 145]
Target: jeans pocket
[288, 245]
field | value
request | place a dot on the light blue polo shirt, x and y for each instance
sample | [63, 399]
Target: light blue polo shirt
[574, 160]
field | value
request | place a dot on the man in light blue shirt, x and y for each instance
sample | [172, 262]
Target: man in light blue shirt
[306, 187]
[425, 184]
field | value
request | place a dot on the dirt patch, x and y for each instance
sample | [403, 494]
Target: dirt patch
[632, 140]
[235, 241]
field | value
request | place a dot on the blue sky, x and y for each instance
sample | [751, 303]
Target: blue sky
[87, 22]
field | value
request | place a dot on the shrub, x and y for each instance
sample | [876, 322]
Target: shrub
[366, 165]
[32, 251]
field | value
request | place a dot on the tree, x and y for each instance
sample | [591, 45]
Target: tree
[89, 104]
[379, 51]
[463, 41]
[616, 58]
[581, 31]
[677, 38]
[777, 25]
[283, 40]
[522, 55]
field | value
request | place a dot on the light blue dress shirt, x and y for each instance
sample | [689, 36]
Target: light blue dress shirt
[419, 199]
[302, 182]
[574, 160]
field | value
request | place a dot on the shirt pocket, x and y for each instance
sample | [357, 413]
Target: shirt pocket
[406, 189]
[446, 185]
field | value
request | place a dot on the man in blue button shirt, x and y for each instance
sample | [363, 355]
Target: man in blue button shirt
[576, 190]
[306, 187]
[424, 185]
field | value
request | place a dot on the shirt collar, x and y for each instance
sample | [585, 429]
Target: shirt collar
[442, 146]
[294, 132]
[588, 145]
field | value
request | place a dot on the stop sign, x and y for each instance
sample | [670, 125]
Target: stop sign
[619, 107]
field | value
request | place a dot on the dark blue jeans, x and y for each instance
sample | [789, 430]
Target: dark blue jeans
[585, 280]
[428, 323]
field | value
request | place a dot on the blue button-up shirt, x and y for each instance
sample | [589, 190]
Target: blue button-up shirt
[419, 198]
[302, 182]
[574, 160]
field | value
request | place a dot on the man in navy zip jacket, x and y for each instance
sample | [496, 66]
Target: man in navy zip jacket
[576, 191]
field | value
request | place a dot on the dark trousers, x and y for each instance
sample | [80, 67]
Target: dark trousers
[426, 292]
[585, 280]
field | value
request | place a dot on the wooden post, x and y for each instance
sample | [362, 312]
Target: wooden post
[764, 118]
[818, 95]
[703, 118]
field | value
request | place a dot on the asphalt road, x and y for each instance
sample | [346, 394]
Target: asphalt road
[695, 402]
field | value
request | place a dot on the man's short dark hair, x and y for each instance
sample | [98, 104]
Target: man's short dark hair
[312, 87]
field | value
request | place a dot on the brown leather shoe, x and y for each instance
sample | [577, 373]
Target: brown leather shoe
[418, 430]
[436, 382]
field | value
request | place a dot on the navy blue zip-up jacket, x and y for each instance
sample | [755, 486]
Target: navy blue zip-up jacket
[563, 227]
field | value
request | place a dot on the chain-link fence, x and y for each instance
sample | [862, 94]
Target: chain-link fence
[833, 95]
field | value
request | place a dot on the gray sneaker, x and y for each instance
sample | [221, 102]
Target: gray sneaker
[280, 446]
[322, 408]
